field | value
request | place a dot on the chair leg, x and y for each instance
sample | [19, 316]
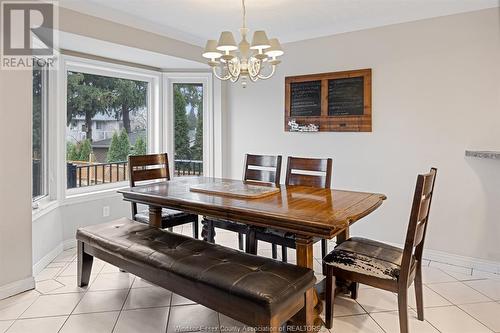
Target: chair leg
[84, 263]
[329, 297]
[403, 310]
[240, 241]
[251, 242]
[195, 229]
[324, 251]
[284, 253]
[274, 249]
[419, 293]
[354, 288]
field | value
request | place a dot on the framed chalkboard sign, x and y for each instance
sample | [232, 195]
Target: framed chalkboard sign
[335, 102]
[305, 99]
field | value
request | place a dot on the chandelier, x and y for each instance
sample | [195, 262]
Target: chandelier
[246, 61]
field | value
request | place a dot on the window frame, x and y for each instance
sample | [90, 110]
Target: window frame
[45, 119]
[211, 115]
[96, 67]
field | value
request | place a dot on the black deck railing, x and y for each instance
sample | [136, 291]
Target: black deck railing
[81, 174]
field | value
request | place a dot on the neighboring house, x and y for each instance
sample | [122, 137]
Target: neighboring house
[100, 148]
[103, 127]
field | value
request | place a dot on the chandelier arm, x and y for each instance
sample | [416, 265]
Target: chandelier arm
[222, 78]
[265, 77]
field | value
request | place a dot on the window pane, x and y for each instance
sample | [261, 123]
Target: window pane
[188, 129]
[38, 133]
[106, 122]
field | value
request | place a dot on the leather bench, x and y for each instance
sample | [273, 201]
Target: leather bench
[254, 290]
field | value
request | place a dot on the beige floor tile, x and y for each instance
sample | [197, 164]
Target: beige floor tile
[344, 306]
[5, 324]
[458, 293]
[101, 301]
[142, 320]
[182, 319]
[435, 275]
[376, 300]
[71, 269]
[38, 325]
[56, 264]
[355, 324]
[389, 321]
[179, 300]
[48, 286]
[140, 298]
[431, 298]
[141, 283]
[108, 268]
[66, 256]
[490, 288]
[485, 275]
[486, 313]
[52, 305]
[112, 281]
[47, 273]
[450, 269]
[13, 307]
[451, 319]
[230, 325]
[90, 323]
[69, 285]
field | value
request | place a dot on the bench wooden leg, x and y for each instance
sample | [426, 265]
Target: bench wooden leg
[329, 297]
[274, 251]
[284, 253]
[84, 262]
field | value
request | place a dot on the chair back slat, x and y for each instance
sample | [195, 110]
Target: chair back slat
[150, 174]
[147, 167]
[262, 168]
[417, 226]
[313, 172]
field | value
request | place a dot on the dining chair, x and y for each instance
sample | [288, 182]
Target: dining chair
[314, 172]
[259, 169]
[144, 168]
[384, 266]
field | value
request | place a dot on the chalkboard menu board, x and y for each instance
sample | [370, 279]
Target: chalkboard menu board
[305, 99]
[346, 96]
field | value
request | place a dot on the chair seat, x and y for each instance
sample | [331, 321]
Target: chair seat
[166, 215]
[368, 257]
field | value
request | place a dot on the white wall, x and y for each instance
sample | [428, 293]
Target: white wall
[15, 182]
[436, 92]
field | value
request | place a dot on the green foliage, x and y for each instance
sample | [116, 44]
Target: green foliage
[129, 97]
[181, 128]
[119, 148]
[78, 152]
[197, 148]
[140, 146]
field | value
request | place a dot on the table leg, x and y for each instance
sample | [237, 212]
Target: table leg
[309, 316]
[343, 236]
[155, 216]
[207, 231]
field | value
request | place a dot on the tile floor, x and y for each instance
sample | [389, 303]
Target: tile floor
[456, 300]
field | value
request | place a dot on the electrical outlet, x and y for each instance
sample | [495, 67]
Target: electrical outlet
[105, 211]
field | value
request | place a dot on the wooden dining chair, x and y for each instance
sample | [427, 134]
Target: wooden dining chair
[263, 169]
[143, 168]
[314, 172]
[384, 266]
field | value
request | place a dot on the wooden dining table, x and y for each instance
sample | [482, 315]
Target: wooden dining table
[306, 212]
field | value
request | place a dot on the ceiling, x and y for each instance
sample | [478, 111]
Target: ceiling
[195, 21]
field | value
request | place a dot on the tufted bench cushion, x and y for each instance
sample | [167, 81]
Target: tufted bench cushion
[242, 286]
[368, 257]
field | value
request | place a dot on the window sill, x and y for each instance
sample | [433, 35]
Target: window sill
[73, 197]
[44, 207]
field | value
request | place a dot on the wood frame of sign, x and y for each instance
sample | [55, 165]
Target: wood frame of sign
[336, 102]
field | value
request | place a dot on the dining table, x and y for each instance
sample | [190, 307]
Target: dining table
[306, 212]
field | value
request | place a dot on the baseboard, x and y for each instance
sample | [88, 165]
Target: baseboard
[47, 259]
[17, 287]
[458, 260]
[463, 261]
[69, 244]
